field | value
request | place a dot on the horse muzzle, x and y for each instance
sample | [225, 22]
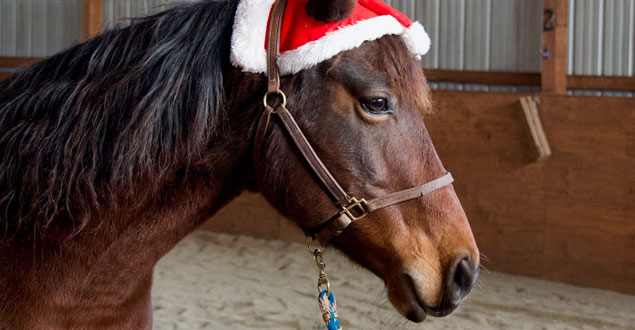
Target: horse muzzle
[460, 278]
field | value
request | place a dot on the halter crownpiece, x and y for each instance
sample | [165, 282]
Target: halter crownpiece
[305, 42]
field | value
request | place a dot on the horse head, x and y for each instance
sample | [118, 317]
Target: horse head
[363, 112]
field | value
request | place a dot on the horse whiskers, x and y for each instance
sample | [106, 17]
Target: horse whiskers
[481, 266]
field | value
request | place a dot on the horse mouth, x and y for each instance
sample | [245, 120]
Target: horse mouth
[420, 309]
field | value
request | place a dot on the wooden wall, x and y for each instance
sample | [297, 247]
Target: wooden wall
[570, 218]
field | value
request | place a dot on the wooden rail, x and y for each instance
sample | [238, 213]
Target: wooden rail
[451, 76]
[16, 62]
[601, 83]
[484, 77]
[8, 64]
[530, 79]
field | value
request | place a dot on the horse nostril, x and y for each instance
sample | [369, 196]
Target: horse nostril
[464, 275]
[460, 280]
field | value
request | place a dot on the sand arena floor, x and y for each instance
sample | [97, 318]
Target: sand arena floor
[219, 281]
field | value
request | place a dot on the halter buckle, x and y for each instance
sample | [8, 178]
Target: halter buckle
[356, 209]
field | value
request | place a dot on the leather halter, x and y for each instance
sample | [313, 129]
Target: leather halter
[351, 208]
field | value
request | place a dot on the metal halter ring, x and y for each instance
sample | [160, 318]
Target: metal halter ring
[265, 100]
[309, 240]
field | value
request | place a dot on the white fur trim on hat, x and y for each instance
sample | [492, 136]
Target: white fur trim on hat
[250, 24]
[417, 39]
[335, 42]
[248, 35]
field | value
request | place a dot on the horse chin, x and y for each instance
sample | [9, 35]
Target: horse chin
[406, 299]
[417, 314]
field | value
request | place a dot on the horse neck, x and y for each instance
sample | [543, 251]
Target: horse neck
[110, 263]
[194, 191]
[200, 187]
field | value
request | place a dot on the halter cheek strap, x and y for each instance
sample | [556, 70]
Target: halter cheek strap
[351, 208]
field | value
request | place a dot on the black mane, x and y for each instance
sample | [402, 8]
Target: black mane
[80, 129]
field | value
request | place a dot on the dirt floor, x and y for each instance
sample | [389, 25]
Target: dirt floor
[220, 281]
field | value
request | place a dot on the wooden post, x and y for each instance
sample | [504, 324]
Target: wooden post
[554, 47]
[92, 18]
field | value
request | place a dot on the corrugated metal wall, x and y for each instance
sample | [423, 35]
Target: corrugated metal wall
[505, 35]
[37, 28]
[601, 39]
[489, 35]
[117, 12]
[480, 35]
[500, 35]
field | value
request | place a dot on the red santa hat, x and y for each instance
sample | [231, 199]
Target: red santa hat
[305, 42]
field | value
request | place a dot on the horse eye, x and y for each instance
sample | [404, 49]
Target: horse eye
[375, 105]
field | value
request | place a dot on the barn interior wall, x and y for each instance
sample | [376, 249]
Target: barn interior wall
[569, 218]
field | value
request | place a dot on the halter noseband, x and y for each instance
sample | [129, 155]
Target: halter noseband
[351, 208]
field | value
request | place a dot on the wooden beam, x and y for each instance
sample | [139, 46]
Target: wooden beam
[529, 79]
[452, 76]
[484, 77]
[554, 47]
[92, 18]
[14, 62]
[4, 75]
[601, 82]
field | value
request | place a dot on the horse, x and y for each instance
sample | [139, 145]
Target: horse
[116, 148]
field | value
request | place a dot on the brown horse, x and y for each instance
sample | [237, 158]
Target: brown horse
[115, 149]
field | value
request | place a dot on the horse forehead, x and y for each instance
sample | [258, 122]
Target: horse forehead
[360, 76]
[360, 70]
[381, 60]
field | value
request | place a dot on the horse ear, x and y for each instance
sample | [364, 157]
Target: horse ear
[330, 10]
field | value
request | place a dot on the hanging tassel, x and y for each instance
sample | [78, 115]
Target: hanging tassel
[329, 310]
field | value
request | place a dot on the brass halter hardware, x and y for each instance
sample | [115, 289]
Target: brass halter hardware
[356, 209]
[321, 265]
[317, 254]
